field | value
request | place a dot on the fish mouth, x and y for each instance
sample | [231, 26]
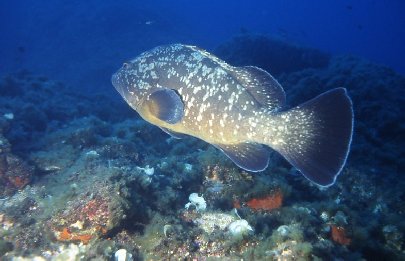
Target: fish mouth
[114, 80]
[118, 82]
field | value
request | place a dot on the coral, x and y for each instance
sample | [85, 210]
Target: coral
[15, 174]
[286, 243]
[239, 228]
[30, 238]
[339, 235]
[393, 237]
[95, 211]
[67, 235]
[5, 146]
[83, 220]
[63, 253]
[93, 214]
[5, 247]
[122, 255]
[40, 105]
[290, 250]
[196, 201]
[212, 221]
[287, 232]
[270, 202]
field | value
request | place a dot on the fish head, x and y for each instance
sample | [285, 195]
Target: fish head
[132, 87]
[137, 82]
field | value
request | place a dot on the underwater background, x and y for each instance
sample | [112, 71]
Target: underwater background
[83, 176]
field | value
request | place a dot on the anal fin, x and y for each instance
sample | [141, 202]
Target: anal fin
[249, 156]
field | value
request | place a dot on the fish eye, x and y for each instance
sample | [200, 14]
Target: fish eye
[125, 65]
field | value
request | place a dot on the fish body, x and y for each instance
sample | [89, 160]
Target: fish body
[187, 91]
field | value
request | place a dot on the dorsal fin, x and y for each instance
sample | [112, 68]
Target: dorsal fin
[262, 86]
[166, 105]
[249, 156]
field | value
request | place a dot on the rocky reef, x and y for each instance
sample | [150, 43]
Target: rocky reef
[82, 177]
[271, 54]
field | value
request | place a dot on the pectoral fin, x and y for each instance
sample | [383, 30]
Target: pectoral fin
[166, 105]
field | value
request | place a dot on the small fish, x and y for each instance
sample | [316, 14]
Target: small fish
[185, 90]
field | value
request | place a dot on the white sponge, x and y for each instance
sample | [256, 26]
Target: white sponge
[197, 201]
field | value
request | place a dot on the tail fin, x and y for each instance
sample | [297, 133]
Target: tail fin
[315, 136]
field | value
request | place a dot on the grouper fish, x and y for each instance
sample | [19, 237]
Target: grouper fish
[185, 90]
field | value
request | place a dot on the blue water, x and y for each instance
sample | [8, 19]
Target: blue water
[82, 42]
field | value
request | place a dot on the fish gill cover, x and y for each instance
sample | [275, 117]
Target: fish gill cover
[82, 176]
